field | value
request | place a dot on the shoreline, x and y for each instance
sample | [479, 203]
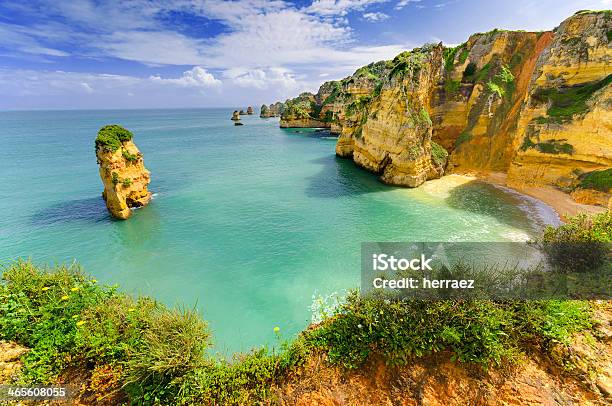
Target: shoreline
[561, 203]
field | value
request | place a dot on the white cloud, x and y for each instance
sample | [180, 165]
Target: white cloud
[154, 47]
[86, 87]
[17, 37]
[196, 77]
[403, 3]
[265, 45]
[339, 7]
[262, 78]
[375, 17]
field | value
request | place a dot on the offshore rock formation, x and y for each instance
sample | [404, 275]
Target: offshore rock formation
[235, 116]
[250, 110]
[122, 171]
[273, 110]
[536, 105]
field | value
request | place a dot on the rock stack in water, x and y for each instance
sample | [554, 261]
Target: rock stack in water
[250, 110]
[122, 171]
[235, 116]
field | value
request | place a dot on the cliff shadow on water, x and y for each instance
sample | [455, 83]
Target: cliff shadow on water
[339, 177]
[87, 210]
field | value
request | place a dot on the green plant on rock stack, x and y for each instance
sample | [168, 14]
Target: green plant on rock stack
[110, 137]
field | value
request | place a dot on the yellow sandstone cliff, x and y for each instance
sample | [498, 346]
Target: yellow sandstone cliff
[122, 171]
[565, 125]
[534, 105]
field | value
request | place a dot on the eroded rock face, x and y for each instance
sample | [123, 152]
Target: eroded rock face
[536, 105]
[565, 126]
[122, 171]
[249, 110]
[235, 116]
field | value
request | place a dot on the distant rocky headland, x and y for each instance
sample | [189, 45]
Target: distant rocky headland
[122, 171]
[273, 110]
[535, 106]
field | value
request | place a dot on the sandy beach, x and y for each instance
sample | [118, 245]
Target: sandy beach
[561, 202]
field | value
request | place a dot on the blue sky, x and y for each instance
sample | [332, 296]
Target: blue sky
[199, 53]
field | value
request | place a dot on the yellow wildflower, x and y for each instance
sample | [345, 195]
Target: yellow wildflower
[45, 288]
[76, 316]
[276, 329]
[80, 323]
[94, 281]
[75, 289]
[131, 309]
[65, 297]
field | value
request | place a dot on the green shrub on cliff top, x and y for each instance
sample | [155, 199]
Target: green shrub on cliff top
[582, 228]
[481, 332]
[111, 136]
[158, 354]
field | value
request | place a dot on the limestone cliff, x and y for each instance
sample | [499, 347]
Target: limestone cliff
[533, 104]
[122, 171]
[565, 126]
[273, 110]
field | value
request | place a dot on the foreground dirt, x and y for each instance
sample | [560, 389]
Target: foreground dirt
[579, 374]
[9, 361]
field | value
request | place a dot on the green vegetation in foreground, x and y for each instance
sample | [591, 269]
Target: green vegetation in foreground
[111, 136]
[600, 180]
[582, 228]
[157, 355]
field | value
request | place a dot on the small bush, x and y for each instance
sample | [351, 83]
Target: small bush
[41, 310]
[172, 346]
[599, 180]
[503, 83]
[583, 244]
[481, 332]
[128, 156]
[438, 154]
[115, 178]
[126, 182]
[110, 137]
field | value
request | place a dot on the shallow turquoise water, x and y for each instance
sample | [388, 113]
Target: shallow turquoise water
[247, 222]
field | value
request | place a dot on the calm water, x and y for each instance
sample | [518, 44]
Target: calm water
[247, 222]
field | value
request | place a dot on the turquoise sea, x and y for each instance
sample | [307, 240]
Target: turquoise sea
[247, 223]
